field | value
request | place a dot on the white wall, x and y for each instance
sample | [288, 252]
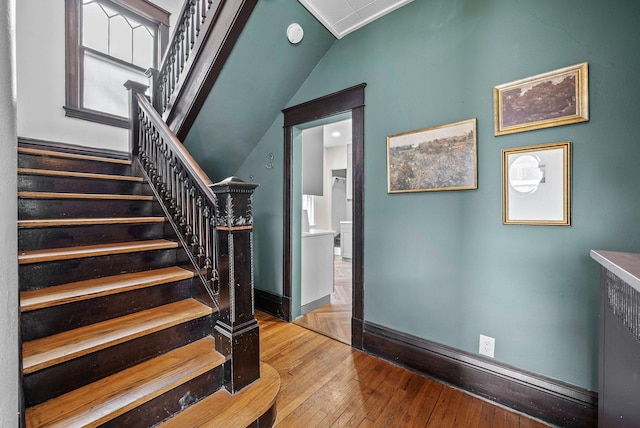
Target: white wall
[8, 231]
[41, 79]
[312, 161]
[173, 7]
[334, 158]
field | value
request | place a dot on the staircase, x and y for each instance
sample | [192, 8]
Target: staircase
[116, 329]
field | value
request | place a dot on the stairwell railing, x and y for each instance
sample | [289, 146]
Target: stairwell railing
[214, 223]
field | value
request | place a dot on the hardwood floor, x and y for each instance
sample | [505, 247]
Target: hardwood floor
[334, 318]
[326, 383]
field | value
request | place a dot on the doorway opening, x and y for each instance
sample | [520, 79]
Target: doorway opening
[326, 227]
[347, 102]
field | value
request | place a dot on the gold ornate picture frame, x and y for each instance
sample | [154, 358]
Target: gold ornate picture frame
[443, 157]
[536, 185]
[559, 97]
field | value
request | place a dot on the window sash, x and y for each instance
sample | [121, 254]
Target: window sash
[144, 12]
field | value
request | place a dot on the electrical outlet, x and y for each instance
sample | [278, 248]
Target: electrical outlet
[487, 345]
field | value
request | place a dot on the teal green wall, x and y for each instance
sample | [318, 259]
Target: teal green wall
[262, 73]
[441, 265]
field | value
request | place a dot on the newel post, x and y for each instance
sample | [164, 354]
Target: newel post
[134, 89]
[236, 331]
[156, 90]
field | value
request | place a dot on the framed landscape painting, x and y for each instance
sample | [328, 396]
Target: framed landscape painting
[536, 184]
[438, 158]
[555, 98]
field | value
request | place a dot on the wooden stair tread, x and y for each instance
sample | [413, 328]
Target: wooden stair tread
[58, 195]
[222, 409]
[98, 287]
[57, 222]
[113, 396]
[68, 253]
[52, 153]
[51, 350]
[59, 173]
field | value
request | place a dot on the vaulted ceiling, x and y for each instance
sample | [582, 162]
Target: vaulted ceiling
[261, 75]
[264, 71]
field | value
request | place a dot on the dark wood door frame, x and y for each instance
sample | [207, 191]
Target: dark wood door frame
[347, 100]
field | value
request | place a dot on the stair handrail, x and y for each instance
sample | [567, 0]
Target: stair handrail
[177, 178]
[214, 223]
[195, 17]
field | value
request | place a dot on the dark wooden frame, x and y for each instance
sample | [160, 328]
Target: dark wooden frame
[350, 99]
[74, 71]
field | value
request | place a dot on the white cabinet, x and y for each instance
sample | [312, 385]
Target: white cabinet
[346, 239]
[317, 268]
[312, 162]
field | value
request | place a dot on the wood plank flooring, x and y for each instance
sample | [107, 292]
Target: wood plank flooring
[334, 318]
[326, 383]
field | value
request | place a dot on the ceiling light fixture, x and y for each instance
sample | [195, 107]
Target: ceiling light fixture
[335, 134]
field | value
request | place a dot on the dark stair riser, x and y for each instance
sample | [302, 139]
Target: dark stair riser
[36, 238]
[171, 402]
[67, 164]
[39, 275]
[67, 376]
[46, 183]
[267, 420]
[39, 208]
[48, 321]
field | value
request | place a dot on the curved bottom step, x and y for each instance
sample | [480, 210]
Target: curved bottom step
[255, 405]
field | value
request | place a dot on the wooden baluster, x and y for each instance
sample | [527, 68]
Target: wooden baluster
[237, 328]
[178, 211]
[211, 227]
[176, 62]
[187, 35]
[192, 28]
[148, 147]
[143, 142]
[167, 175]
[165, 180]
[192, 213]
[171, 190]
[187, 210]
[158, 164]
[163, 170]
[154, 157]
[197, 235]
[187, 214]
[167, 84]
[199, 16]
[183, 201]
[206, 215]
[181, 57]
[175, 65]
[171, 81]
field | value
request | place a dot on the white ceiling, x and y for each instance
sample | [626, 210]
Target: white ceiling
[341, 17]
[337, 133]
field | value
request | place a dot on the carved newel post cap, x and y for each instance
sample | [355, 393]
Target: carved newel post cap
[151, 72]
[232, 179]
[136, 86]
[233, 184]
